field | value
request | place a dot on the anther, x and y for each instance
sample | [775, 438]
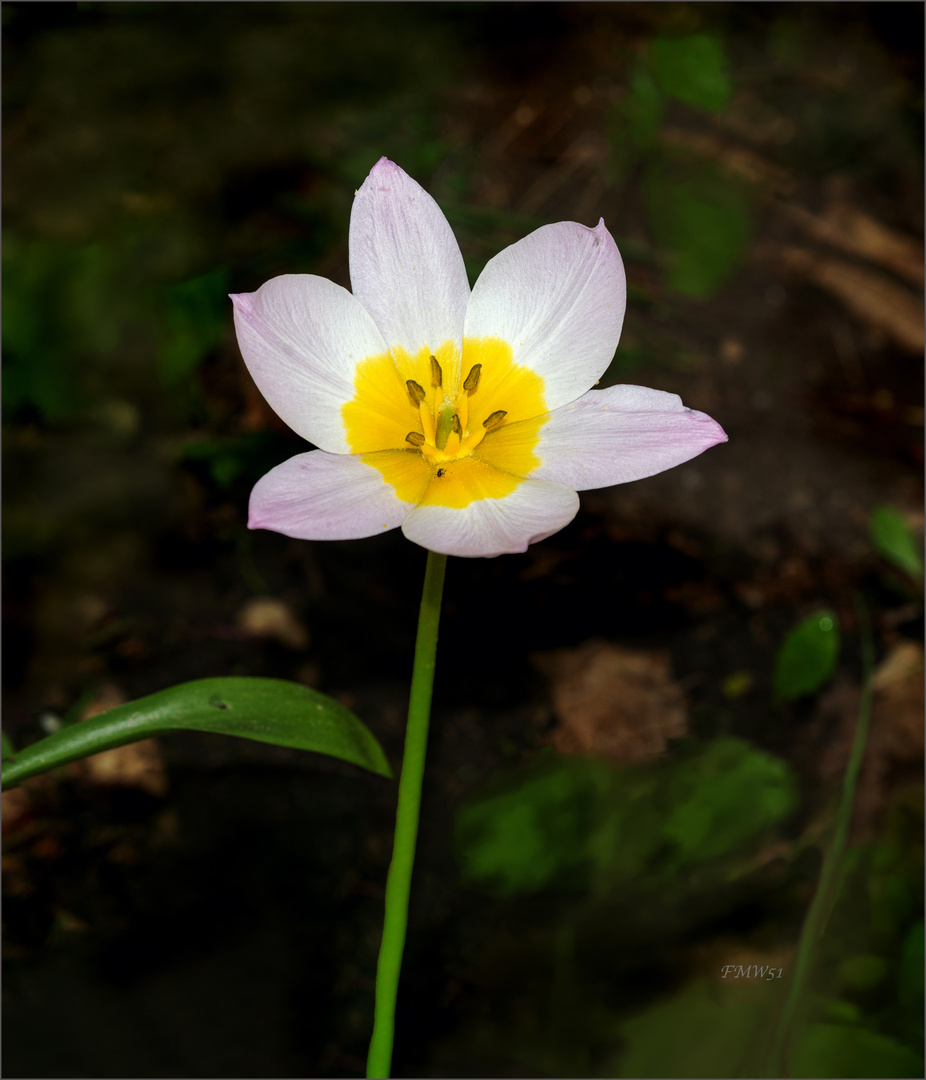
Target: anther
[415, 438]
[456, 426]
[415, 391]
[493, 421]
[472, 379]
[437, 375]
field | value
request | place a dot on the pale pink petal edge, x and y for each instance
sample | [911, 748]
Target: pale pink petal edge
[319, 496]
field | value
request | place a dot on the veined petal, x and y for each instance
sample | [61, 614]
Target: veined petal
[557, 297]
[302, 338]
[489, 527]
[405, 264]
[319, 496]
[620, 434]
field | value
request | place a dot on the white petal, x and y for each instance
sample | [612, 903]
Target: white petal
[557, 297]
[405, 264]
[301, 337]
[489, 527]
[319, 496]
[619, 434]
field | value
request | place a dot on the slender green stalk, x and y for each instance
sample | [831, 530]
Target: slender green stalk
[826, 895]
[398, 883]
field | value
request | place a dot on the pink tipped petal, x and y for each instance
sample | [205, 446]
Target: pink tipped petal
[301, 337]
[490, 527]
[319, 496]
[557, 297]
[405, 264]
[620, 434]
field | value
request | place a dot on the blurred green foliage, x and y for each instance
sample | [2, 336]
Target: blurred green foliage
[197, 313]
[807, 657]
[844, 1050]
[699, 215]
[894, 540]
[693, 69]
[82, 327]
[701, 219]
[578, 823]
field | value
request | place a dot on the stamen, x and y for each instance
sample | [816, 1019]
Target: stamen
[472, 379]
[437, 376]
[492, 422]
[415, 391]
[456, 426]
[415, 438]
[427, 422]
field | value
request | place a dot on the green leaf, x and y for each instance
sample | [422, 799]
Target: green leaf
[726, 796]
[895, 541]
[807, 657]
[693, 69]
[9, 750]
[702, 220]
[522, 839]
[197, 319]
[910, 971]
[267, 710]
[838, 1050]
[579, 823]
[643, 107]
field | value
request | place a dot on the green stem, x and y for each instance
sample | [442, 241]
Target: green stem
[398, 883]
[825, 897]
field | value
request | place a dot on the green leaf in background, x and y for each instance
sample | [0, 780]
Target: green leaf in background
[583, 824]
[267, 710]
[807, 657]
[521, 839]
[702, 220]
[197, 319]
[728, 794]
[839, 1050]
[643, 106]
[693, 69]
[910, 972]
[894, 539]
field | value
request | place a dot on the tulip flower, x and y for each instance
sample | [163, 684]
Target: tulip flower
[466, 417]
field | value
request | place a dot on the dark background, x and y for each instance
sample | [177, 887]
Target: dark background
[214, 909]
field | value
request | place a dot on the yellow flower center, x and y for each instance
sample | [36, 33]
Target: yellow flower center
[446, 429]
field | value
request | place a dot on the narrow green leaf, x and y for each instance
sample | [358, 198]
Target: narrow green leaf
[895, 541]
[807, 656]
[9, 750]
[267, 710]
